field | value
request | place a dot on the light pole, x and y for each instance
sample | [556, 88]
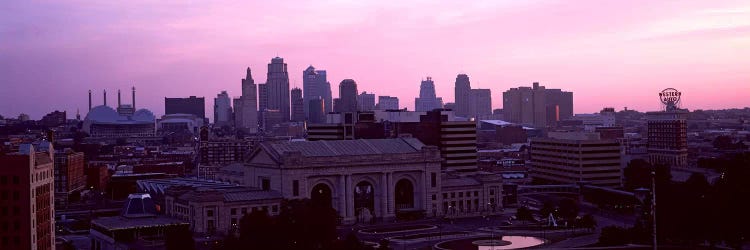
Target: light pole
[653, 204]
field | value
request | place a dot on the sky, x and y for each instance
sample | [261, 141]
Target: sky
[609, 53]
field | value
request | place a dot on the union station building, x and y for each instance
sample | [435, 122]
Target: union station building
[371, 178]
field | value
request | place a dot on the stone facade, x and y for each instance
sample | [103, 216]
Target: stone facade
[362, 178]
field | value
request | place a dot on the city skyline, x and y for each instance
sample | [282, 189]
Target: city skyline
[181, 50]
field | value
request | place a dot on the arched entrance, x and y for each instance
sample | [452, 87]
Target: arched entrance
[321, 195]
[364, 201]
[404, 194]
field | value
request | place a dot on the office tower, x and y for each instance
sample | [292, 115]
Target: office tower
[262, 101]
[315, 85]
[69, 175]
[387, 103]
[667, 137]
[277, 84]
[366, 102]
[427, 100]
[463, 95]
[481, 103]
[587, 158]
[336, 104]
[27, 178]
[298, 109]
[347, 96]
[317, 111]
[222, 109]
[245, 107]
[191, 105]
[559, 106]
[537, 106]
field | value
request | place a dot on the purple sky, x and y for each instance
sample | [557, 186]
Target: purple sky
[609, 53]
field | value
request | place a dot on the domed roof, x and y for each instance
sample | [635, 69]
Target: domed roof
[144, 115]
[102, 114]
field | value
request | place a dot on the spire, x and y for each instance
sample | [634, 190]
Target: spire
[105, 97]
[134, 98]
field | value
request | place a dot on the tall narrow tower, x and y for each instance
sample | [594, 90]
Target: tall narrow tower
[119, 101]
[89, 100]
[463, 95]
[134, 98]
[278, 87]
[105, 97]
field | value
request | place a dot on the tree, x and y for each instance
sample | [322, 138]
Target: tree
[383, 244]
[547, 208]
[638, 174]
[614, 236]
[723, 142]
[587, 221]
[351, 242]
[257, 230]
[179, 238]
[524, 214]
[568, 209]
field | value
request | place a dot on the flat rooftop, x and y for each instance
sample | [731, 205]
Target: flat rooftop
[122, 223]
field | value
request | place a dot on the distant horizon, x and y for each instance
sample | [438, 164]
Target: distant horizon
[609, 54]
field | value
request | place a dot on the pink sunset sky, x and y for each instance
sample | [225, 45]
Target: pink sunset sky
[609, 53]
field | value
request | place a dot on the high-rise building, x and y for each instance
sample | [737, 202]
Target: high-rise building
[667, 137]
[298, 109]
[191, 105]
[317, 111]
[481, 102]
[315, 85]
[26, 178]
[69, 175]
[222, 109]
[387, 103]
[463, 95]
[559, 106]
[347, 96]
[278, 87]
[366, 102]
[537, 106]
[571, 157]
[262, 101]
[246, 112]
[427, 100]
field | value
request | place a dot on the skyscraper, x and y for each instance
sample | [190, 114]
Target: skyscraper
[262, 101]
[427, 100]
[387, 103]
[347, 96]
[278, 87]
[481, 102]
[366, 102]
[530, 106]
[317, 111]
[298, 110]
[463, 95]
[316, 86]
[222, 109]
[247, 113]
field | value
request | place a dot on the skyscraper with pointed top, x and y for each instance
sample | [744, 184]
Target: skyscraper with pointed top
[277, 83]
[246, 115]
